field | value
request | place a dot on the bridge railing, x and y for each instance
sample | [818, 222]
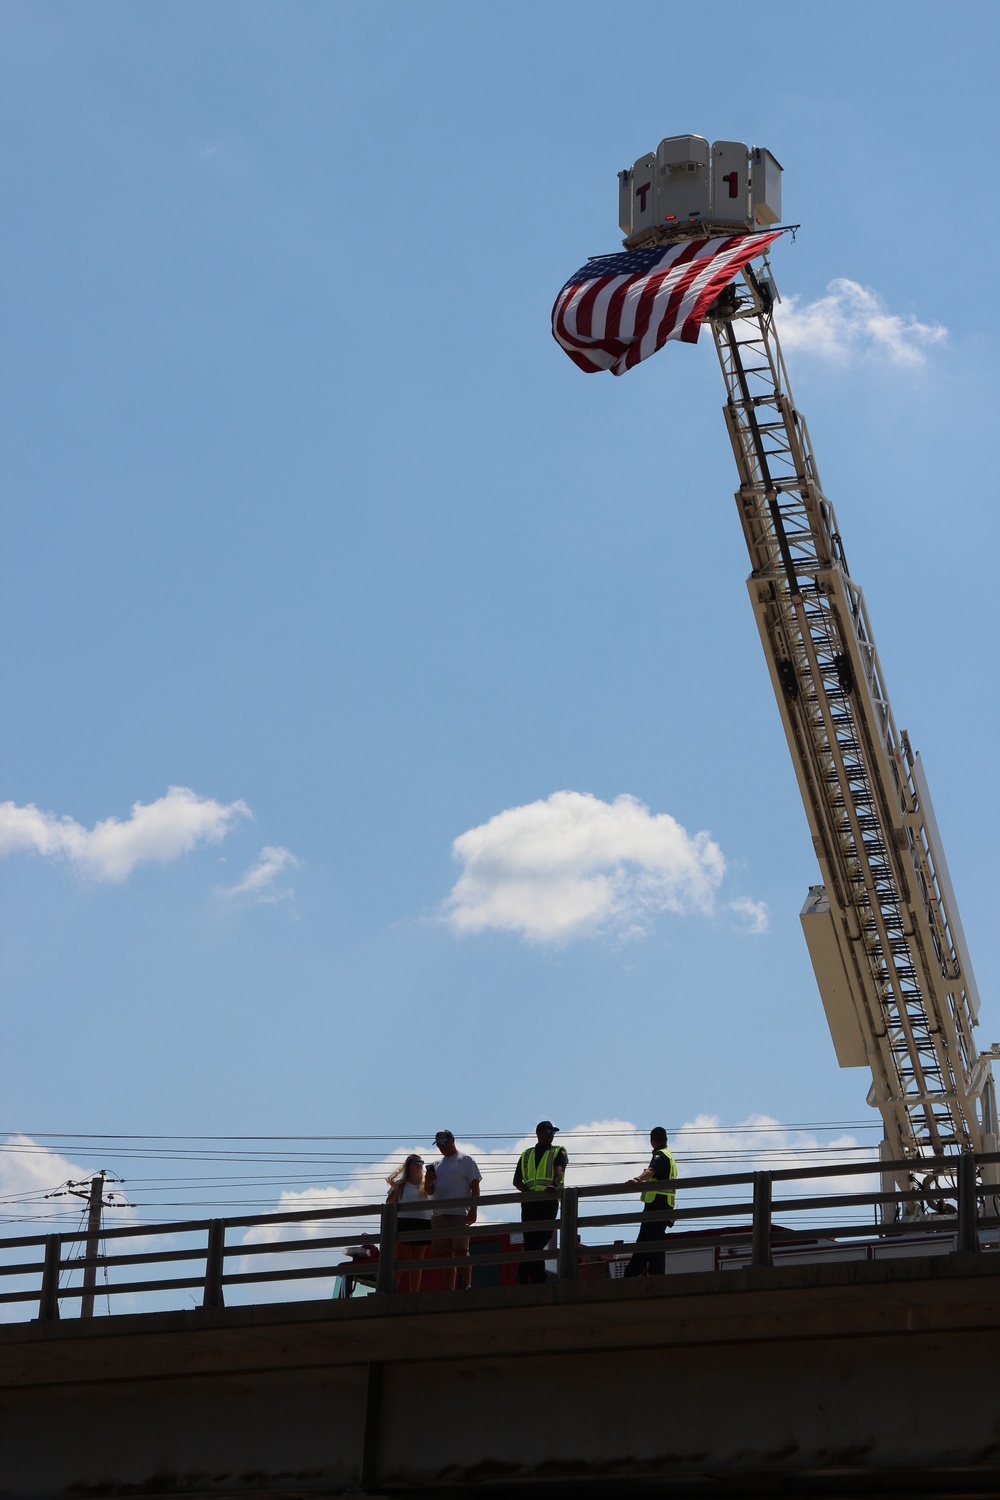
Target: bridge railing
[959, 1182]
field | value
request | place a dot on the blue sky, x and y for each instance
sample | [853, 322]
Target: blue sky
[306, 513]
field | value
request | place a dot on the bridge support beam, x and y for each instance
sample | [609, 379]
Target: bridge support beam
[809, 1379]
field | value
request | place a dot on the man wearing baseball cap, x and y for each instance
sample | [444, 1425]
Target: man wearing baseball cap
[454, 1176]
[658, 1199]
[539, 1172]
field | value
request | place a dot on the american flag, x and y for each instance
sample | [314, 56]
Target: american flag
[619, 309]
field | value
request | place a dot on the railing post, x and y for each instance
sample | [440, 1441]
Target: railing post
[214, 1263]
[760, 1243]
[385, 1280]
[569, 1269]
[48, 1302]
[968, 1228]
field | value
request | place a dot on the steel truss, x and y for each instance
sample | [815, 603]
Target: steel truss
[873, 829]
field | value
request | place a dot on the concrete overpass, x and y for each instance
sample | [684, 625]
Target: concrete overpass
[857, 1378]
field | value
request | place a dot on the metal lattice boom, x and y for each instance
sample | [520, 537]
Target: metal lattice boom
[891, 908]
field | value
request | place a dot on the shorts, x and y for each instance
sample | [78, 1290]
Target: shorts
[450, 1235]
[414, 1226]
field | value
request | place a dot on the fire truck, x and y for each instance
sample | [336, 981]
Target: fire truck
[882, 926]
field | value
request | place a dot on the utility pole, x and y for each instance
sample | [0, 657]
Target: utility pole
[97, 1202]
[95, 1208]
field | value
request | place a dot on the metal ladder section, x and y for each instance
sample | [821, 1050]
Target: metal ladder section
[886, 883]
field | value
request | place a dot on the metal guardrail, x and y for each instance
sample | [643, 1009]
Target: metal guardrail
[966, 1223]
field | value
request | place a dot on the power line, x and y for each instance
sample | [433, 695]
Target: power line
[512, 1135]
[345, 1168]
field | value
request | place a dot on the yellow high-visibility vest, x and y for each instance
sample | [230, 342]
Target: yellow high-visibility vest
[539, 1173]
[654, 1190]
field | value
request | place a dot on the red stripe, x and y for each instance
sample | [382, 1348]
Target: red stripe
[685, 258]
[586, 365]
[730, 263]
[559, 329]
[580, 337]
[681, 290]
[644, 315]
[613, 317]
[567, 341]
[654, 281]
[748, 248]
[585, 307]
[613, 314]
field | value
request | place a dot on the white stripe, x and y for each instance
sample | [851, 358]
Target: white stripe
[630, 309]
[710, 262]
[601, 305]
[578, 345]
[564, 308]
[569, 318]
[661, 304]
[717, 263]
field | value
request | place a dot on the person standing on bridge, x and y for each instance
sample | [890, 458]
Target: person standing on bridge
[540, 1169]
[454, 1176]
[406, 1190]
[657, 1200]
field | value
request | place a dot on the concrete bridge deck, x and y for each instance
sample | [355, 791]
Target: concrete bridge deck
[837, 1379]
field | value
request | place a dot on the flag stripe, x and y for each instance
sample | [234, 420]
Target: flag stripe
[666, 289]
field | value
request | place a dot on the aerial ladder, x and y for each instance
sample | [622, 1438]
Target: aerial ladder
[883, 928]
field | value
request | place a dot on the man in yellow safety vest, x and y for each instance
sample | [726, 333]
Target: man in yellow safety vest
[539, 1169]
[657, 1199]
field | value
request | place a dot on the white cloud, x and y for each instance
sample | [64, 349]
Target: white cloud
[572, 865]
[755, 914]
[156, 832]
[258, 882]
[28, 1171]
[852, 322]
[762, 1143]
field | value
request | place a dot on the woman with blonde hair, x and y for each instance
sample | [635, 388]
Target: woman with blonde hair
[406, 1189]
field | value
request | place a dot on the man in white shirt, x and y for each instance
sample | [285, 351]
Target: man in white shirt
[454, 1176]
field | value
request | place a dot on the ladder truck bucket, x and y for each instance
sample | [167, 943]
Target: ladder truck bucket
[687, 187]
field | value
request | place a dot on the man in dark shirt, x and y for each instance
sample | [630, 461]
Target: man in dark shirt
[539, 1169]
[656, 1202]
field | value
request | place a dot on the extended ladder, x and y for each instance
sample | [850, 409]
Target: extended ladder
[883, 931]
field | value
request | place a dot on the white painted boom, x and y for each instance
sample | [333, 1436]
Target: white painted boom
[883, 929]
